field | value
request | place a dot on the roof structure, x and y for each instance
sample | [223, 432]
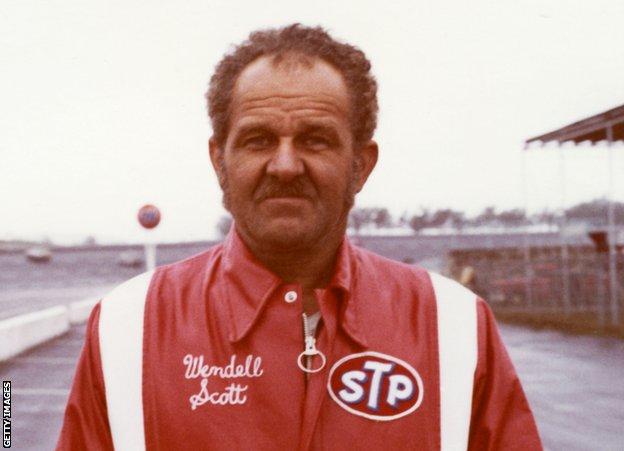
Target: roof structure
[609, 127]
[606, 126]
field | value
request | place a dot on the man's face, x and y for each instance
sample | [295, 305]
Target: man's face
[288, 168]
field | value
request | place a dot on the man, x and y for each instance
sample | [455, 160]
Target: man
[286, 336]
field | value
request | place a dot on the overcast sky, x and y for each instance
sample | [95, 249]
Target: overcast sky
[102, 108]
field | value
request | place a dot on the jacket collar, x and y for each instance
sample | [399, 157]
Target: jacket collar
[249, 286]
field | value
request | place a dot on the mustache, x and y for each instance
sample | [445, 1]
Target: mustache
[270, 188]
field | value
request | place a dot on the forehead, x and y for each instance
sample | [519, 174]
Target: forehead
[300, 87]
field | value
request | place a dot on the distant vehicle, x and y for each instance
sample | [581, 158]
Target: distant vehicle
[39, 254]
[130, 259]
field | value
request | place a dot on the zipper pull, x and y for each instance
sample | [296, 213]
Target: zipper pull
[310, 350]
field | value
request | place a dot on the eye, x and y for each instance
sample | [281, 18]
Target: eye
[258, 141]
[315, 142]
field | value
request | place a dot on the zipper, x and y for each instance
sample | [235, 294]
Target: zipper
[309, 350]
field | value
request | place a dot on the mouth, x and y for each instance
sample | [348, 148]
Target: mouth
[285, 199]
[285, 204]
[284, 195]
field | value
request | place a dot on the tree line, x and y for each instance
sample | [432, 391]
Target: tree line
[593, 212]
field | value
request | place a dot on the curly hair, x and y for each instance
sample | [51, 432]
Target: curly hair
[309, 41]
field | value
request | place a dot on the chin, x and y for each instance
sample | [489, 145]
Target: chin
[285, 238]
[285, 235]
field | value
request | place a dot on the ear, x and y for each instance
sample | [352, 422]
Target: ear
[366, 159]
[215, 158]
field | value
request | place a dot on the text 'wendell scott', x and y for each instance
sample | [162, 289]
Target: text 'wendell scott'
[234, 393]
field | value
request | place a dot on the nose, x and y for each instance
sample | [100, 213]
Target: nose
[285, 164]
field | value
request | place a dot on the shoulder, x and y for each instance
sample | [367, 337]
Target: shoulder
[380, 270]
[449, 290]
[189, 271]
[133, 292]
[136, 287]
[121, 309]
[175, 273]
[456, 309]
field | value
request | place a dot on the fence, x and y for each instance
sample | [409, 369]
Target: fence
[546, 285]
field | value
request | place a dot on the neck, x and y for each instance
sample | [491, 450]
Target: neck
[309, 267]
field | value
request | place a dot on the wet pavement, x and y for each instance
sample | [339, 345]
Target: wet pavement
[575, 385]
[40, 381]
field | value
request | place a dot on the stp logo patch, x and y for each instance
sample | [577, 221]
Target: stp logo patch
[375, 386]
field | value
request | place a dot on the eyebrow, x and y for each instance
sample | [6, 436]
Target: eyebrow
[305, 126]
[324, 129]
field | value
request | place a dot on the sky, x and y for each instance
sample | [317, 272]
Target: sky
[102, 107]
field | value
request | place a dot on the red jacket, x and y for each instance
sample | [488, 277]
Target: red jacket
[202, 354]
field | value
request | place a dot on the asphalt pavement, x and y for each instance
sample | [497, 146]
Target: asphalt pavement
[575, 386]
[40, 382]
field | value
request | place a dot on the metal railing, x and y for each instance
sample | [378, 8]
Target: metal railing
[545, 285]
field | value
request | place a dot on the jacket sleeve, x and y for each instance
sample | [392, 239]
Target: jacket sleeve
[85, 425]
[501, 416]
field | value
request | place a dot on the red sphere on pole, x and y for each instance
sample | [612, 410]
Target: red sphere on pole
[149, 216]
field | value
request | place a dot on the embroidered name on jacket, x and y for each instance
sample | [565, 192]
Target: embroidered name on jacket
[234, 393]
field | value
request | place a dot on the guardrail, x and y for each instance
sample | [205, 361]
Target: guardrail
[20, 333]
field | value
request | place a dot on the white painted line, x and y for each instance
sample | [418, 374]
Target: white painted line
[22, 332]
